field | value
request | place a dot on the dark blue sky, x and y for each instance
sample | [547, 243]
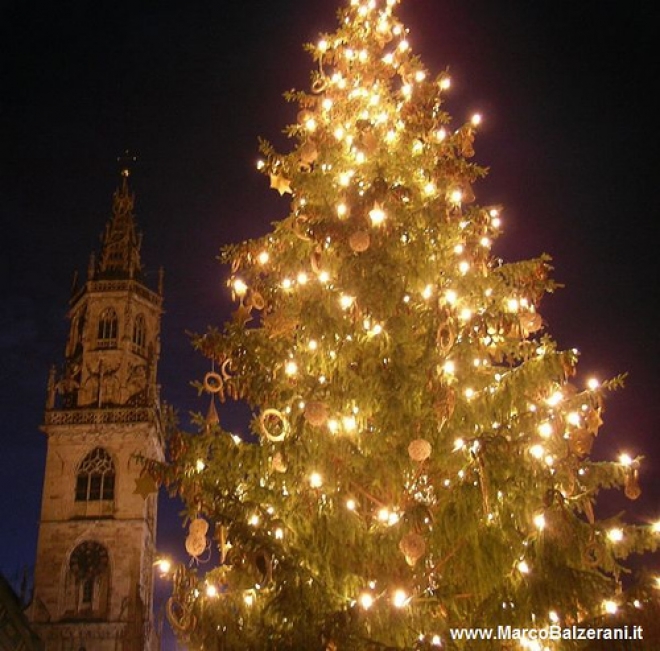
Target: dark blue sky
[569, 135]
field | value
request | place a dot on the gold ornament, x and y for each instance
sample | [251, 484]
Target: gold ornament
[280, 183]
[581, 442]
[316, 413]
[632, 489]
[530, 322]
[144, 486]
[257, 301]
[198, 526]
[359, 241]
[445, 403]
[195, 545]
[446, 336]
[274, 425]
[413, 547]
[308, 153]
[212, 418]
[419, 450]
[278, 464]
[213, 382]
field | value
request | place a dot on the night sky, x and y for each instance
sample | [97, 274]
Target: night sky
[569, 136]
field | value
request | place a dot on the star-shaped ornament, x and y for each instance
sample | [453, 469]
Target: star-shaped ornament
[145, 485]
[280, 183]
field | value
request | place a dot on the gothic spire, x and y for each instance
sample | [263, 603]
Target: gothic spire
[120, 253]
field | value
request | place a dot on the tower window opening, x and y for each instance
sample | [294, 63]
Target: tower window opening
[95, 479]
[140, 335]
[107, 331]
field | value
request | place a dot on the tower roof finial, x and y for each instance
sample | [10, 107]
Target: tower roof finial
[120, 254]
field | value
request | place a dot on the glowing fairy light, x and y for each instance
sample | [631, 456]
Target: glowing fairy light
[476, 119]
[211, 591]
[451, 297]
[342, 210]
[545, 429]
[366, 600]
[593, 384]
[263, 257]
[537, 451]
[349, 423]
[574, 419]
[240, 288]
[253, 520]
[351, 505]
[346, 301]
[523, 567]
[399, 599]
[445, 83]
[200, 465]
[302, 278]
[456, 196]
[164, 565]
[345, 179]
[315, 480]
[291, 368]
[449, 367]
[554, 399]
[615, 535]
[260, 164]
[610, 607]
[539, 521]
[377, 215]
[322, 45]
[625, 459]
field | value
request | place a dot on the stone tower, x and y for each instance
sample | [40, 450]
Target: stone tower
[93, 581]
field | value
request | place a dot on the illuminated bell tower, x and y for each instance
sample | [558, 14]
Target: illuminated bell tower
[94, 567]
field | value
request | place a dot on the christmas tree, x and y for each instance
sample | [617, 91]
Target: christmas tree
[421, 453]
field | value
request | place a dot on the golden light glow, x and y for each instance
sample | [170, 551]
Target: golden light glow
[315, 480]
[610, 607]
[400, 599]
[366, 600]
[537, 451]
[625, 459]
[164, 565]
[539, 521]
[377, 215]
[615, 535]
[240, 288]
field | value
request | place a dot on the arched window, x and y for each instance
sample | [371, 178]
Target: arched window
[139, 335]
[107, 333]
[95, 485]
[87, 582]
